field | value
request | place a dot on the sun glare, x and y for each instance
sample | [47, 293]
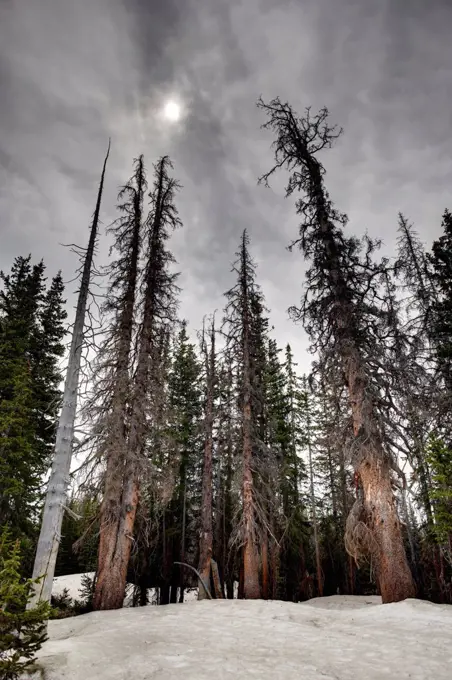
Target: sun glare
[172, 111]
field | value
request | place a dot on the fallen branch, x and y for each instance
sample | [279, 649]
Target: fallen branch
[184, 564]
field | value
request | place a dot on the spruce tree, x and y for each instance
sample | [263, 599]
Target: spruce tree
[441, 263]
[186, 437]
[243, 336]
[31, 334]
[22, 632]
[341, 312]
[113, 383]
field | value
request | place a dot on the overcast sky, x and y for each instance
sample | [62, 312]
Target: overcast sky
[74, 72]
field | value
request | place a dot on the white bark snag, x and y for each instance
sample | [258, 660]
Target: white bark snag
[206, 534]
[52, 519]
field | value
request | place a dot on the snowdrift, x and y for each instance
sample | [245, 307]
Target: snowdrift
[335, 638]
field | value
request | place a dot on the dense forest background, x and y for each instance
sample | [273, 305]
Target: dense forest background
[214, 450]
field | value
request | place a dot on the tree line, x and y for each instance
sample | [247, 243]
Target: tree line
[211, 460]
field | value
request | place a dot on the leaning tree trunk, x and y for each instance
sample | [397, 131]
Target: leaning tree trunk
[206, 535]
[56, 496]
[383, 538]
[333, 306]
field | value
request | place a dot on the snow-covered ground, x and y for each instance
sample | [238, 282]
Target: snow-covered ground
[335, 638]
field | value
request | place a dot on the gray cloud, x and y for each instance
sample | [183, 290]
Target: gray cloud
[74, 73]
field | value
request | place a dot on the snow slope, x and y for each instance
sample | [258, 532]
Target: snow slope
[336, 638]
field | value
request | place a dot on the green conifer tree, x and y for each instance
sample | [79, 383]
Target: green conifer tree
[22, 632]
[31, 333]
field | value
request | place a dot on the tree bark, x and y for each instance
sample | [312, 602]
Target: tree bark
[251, 586]
[56, 497]
[216, 580]
[313, 504]
[393, 573]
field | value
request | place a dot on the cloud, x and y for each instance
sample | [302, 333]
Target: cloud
[74, 73]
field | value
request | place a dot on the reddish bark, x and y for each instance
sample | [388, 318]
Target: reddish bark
[114, 554]
[393, 572]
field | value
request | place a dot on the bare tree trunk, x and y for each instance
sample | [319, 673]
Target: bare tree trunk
[206, 536]
[315, 527]
[111, 593]
[216, 580]
[52, 519]
[385, 540]
[251, 587]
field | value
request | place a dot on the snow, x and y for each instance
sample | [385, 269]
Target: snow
[332, 638]
[73, 582]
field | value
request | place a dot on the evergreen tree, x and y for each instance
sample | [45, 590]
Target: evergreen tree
[441, 262]
[439, 456]
[31, 334]
[244, 336]
[22, 632]
[186, 436]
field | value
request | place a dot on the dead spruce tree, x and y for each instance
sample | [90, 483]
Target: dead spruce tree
[56, 496]
[206, 532]
[341, 313]
[129, 467]
[113, 382]
[240, 338]
[159, 312]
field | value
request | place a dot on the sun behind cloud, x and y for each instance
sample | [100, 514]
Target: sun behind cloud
[172, 111]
